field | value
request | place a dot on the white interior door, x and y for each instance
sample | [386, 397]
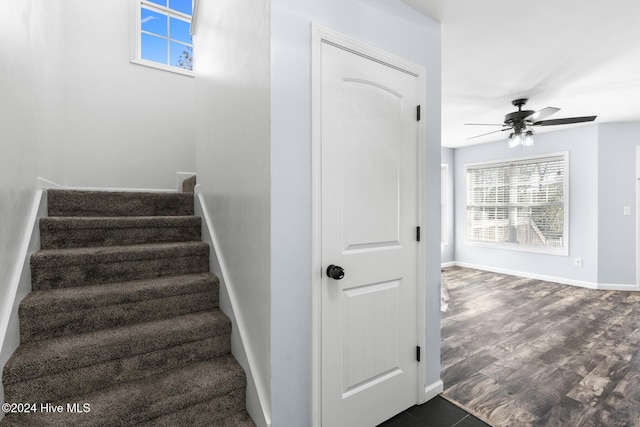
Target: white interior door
[369, 216]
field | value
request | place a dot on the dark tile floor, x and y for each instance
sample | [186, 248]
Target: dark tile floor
[437, 412]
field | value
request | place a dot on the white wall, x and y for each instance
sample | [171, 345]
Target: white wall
[28, 45]
[97, 119]
[233, 161]
[617, 252]
[448, 253]
[122, 124]
[582, 145]
[399, 29]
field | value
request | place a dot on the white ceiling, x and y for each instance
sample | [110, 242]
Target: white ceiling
[582, 56]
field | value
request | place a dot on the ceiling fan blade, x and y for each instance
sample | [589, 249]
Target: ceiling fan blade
[489, 133]
[567, 121]
[484, 124]
[542, 114]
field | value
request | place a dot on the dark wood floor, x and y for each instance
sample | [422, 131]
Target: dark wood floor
[522, 352]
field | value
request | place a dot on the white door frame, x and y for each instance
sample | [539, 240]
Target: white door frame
[637, 221]
[324, 35]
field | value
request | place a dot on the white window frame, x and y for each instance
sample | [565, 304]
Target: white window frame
[136, 54]
[555, 250]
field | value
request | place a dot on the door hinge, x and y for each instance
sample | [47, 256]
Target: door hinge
[418, 113]
[418, 353]
[418, 233]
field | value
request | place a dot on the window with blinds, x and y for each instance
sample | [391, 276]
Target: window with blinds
[519, 204]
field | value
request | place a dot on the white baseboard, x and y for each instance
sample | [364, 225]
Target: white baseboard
[561, 280]
[257, 392]
[126, 190]
[447, 264]
[23, 251]
[434, 389]
[19, 284]
[618, 287]
[525, 274]
[45, 184]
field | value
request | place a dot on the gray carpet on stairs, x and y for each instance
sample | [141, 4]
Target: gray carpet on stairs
[65, 232]
[124, 318]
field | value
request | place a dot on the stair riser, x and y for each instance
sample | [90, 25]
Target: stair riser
[92, 204]
[93, 297]
[213, 412]
[90, 378]
[35, 328]
[48, 277]
[230, 398]
[219, 410]
[85, 350]
[90, 238]
[137, 402]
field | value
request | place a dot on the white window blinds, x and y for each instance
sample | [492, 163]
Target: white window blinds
[518, 202]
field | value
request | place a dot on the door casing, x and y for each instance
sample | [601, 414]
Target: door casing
[321, 35]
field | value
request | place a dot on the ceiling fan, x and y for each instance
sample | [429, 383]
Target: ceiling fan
[521, 122]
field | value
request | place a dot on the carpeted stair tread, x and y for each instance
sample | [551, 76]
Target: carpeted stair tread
[123, 316]
[48, 357]
[200, 415]
[75, 232]
[221, 380]
[108, 203]
[104, 374]
[79, 256]
[56, 312]
[57, 268]
[240, 419]
[86, 297]
[73, 223]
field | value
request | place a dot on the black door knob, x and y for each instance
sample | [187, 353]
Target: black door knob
[335, 272]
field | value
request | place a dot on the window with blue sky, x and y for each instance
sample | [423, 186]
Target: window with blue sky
[164, 32]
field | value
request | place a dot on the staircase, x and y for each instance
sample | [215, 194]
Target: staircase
[123, 326]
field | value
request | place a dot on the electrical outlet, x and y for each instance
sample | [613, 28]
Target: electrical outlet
[577, 262]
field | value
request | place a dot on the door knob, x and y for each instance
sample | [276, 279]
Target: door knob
[335, 272]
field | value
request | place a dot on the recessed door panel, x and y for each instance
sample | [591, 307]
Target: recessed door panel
[370, 173]
[371, 318]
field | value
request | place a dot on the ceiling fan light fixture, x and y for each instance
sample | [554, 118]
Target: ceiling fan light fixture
[514, 140]
[519, 138]
[527, 141]
[522, 121]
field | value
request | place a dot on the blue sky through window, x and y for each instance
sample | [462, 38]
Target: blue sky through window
[165, 34]
[154, 48]
[183, 6]
[153, 22]
[180, 30]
